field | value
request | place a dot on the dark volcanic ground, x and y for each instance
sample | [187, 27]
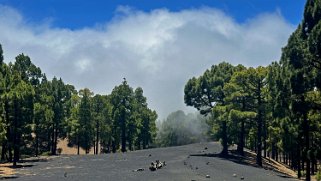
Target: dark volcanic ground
[122, 166]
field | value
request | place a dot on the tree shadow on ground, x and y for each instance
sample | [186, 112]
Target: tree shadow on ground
[8, 177]
[6, 168]
[5, 174]
[248, 159]
[34, 159]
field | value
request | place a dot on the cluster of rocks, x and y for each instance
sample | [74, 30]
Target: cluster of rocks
[156, 165]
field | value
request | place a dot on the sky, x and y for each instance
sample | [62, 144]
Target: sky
[157, 45]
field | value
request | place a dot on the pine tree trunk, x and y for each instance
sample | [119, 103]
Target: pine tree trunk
[78, 145]
[264, 138]
[130, 145]
[10, 153]
[15, 133]
[299, 156]
[49, 139]
[113, 145]
[37, 141]
[6, 145]
[240, 146]
[139, 144]
[144, 143]
[259, 134]
[307, 147]
[53, 139]
[259, 144]
[291, 159]
[97, 136]
[312, 166]
[299, 163]
[224, 139]
[3, 150]
[123, 133]
[109, 146]
[56, 141]
[95, 147]
[315, 165]
[273, 151]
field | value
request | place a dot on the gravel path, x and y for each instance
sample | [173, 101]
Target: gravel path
[117, 167]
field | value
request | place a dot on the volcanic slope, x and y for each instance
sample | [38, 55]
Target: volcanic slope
[190, 162]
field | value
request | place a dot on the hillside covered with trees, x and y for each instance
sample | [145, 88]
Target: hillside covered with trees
[274, 109]
[35, 113]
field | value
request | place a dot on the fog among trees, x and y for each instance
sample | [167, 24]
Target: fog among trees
[180, 129]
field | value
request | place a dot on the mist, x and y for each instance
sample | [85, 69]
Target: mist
[181, 129]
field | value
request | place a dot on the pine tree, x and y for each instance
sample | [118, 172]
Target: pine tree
[206, 94]
[85, 117]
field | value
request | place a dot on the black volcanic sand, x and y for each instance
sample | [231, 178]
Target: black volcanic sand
[190, 162]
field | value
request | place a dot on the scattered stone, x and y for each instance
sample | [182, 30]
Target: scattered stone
[234, 175]
[242, 178]
[152, 167]
[205, 148]
[207, 163]
[196, 168]
[160, 164]
[149, 155]
[65, 174]
[185, 163]
[208, 176]
[138, 170]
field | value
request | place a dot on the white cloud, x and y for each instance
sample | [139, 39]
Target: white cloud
[158, 50]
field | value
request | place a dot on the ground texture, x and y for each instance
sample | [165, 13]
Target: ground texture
[197, 162]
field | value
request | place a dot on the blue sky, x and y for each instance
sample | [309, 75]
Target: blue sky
[156, 44]
[76, 14]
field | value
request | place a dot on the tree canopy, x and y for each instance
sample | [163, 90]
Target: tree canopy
[274, 109]
[35, 113]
